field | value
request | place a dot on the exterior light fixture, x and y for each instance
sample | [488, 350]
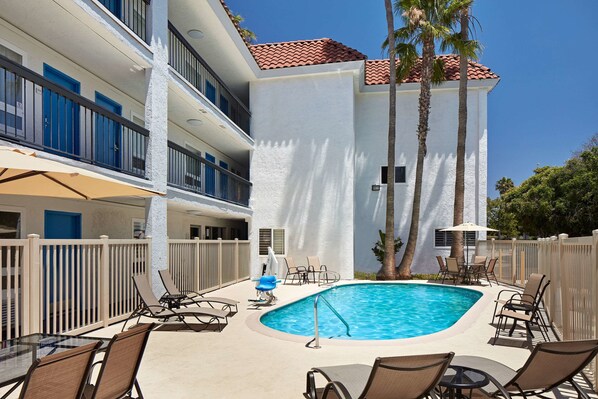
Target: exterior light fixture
[195, 122]
[375, 187]
[195, 34]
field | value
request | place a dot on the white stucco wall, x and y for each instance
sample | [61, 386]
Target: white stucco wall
[439, 171]
[302, 168]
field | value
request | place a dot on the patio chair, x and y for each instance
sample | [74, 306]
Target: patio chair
[407, 377]
[489, 271]
[149, 306]
[453, 270]
[325, 276]
[118, 373]
[520, 300]
[193, 297]
[443, 271]
[515, 311]
[478, 267]
[549, 365]
[61, 375]
[294, 271]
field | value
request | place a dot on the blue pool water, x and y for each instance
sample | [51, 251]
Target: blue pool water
[376, 311]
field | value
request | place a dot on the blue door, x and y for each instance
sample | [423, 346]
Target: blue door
[108, 133]
[223, 182]
[211, 92]
[210, 176]
[114, 6]
[65, 225]
[61, 116]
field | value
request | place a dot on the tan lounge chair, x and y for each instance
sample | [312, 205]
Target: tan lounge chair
[294, 271]
[61, 375]
[407, 377]
[549, 365]
[325, 276]
[149, 306]
[192, 297]
[453, 270]
[118, 373]
[443, 271]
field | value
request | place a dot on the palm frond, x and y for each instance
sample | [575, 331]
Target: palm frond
[438, 71]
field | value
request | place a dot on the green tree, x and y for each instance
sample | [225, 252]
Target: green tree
[426, 22]
[467, 49]
[247, 34]
[501, 219]
[388, 269]
[504, 185]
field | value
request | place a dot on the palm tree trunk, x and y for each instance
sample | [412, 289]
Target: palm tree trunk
[458, 208]
[388, 271]
[425, 96]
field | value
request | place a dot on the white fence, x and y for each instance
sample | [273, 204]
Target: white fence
[571, 265]
[75, 286]
[205, 265]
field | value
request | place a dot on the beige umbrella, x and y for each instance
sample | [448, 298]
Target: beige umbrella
[468, 226]
[23, 173]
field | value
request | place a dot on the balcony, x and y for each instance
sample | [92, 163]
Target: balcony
[187, 62]
[38, 113]
[193, 173]
[132, 13]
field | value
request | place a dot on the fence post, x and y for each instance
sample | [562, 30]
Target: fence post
[595, 295]
[500, 264]
[513, 261]
[565, 298]
[236, 259]
[197, 266]
[105, 281]
[522, 267]
[492, 250]
[148, 261]
[32, 322]
[219, 262]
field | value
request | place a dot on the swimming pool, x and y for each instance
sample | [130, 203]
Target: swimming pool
[376, 311]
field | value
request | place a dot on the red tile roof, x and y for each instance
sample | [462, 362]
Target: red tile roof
[377, 71]
[303, 52]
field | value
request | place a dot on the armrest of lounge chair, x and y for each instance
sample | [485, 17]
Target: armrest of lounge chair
[336, 389]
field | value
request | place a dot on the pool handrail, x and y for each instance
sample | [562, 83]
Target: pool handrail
[316, 330]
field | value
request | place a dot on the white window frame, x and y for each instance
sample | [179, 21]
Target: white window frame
[10, 109]
[272, 232]
[141, 223]
[14, 209]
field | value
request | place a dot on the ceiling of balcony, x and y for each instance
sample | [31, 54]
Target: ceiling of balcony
[87, 35]
[221, 46]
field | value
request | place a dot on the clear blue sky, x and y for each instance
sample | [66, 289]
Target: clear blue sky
[546, 53]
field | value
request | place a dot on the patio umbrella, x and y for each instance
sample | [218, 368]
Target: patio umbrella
[24, 173]
[271, 263]
[467, 226]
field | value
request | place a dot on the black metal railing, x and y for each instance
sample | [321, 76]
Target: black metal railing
[38, 113]
[193, 173]
[132, 13]
[186, 61]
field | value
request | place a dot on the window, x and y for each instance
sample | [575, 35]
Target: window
[210, 91]
[11, 102]
[400, 176]
[139, 228]
[445, 238]
[272, 238]
[10, 224]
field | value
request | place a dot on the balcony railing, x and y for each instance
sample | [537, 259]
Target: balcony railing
[186, 61]
[38, 113]
[193, 173]
[132, 13]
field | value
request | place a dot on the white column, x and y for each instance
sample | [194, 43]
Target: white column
[156, 121]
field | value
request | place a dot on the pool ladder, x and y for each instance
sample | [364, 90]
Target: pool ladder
[316, 339]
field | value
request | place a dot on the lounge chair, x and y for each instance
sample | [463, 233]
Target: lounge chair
[520, 300]
[293, 271]
[61, 375]
[407, 377]
[193, 297]
[516, 311]
[118, 373]
[453, 270]
[549, 365]
[149, 306]
[443, 271]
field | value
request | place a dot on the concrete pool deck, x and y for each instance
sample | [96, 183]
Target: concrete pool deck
[242, 362]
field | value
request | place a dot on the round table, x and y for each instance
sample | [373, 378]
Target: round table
[459, 378]
[173, 301]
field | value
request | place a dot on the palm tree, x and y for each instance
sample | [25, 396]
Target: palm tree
[247, 34]
[466, 49]
[426, 22]
[504, 185]
[388, 269]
